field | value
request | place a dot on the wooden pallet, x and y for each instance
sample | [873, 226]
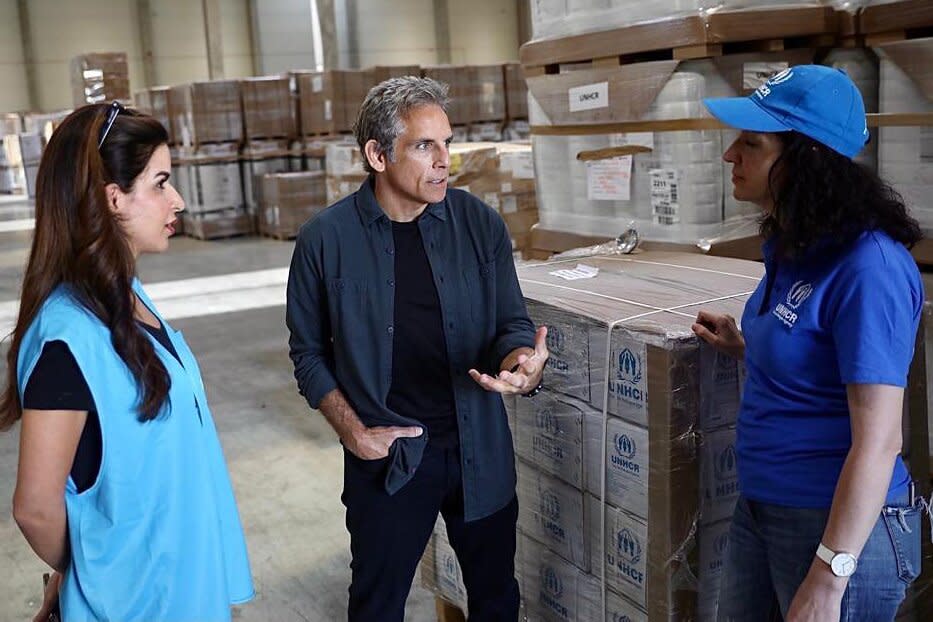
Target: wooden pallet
[447, 612]
[896, 21]
[726, 32]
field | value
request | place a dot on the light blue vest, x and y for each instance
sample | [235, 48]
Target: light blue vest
[157, 538]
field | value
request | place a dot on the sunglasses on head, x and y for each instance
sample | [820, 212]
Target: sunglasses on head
[115, 109]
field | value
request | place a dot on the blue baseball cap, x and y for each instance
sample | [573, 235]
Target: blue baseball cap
[817, 101]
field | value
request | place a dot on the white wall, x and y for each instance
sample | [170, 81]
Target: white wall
[234, 25]
[283, 33]
[395, 33]
[483, 31]
[13, 90]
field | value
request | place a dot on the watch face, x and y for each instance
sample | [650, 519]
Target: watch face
[843, 565]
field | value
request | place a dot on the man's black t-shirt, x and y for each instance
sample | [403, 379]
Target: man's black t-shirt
[421, 385]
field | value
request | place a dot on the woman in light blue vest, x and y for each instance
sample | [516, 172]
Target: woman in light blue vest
[122, 486]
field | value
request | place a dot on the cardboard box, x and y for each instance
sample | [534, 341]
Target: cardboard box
[329, 101]
[516, 92]
[223, 223]
[554, 589]
[268, 111]
[440, 569]
[552, 512]
[460, 80]
[381, 73]
[100, 77]
[10, 123]
[262, 157]
[345, 172]
[206, 112]
[209, 177]
[289, 200]
[719, 481]
[489, 93]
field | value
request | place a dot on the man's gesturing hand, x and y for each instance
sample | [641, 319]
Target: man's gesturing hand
[528, 365]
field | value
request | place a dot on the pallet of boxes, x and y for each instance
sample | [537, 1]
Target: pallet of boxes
[626, 462]
[621, 136]
[270, 144]
[207, 128]
[20, 154]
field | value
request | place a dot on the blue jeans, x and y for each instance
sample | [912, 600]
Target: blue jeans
[771, 548]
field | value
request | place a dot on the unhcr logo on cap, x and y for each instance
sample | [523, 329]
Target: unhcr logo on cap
[779, 78]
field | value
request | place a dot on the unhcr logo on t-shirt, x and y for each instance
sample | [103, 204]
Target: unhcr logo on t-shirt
[787, 311]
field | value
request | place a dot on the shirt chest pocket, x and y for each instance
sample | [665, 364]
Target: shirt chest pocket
[348, 301]
[480, 281]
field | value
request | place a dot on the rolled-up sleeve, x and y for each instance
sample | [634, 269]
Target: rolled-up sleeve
[513, 327]
[307, 319]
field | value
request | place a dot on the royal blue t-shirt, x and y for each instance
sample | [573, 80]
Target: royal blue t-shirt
[837, 316]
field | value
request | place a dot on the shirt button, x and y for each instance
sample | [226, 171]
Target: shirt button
[390, 250]
[391, 282]
[468, 461]
[391, 329]
[450, 324]
[441, 279]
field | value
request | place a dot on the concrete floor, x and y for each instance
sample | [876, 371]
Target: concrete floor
[284, 459]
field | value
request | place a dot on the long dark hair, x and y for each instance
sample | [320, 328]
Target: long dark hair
[79, 241]
[819, 194]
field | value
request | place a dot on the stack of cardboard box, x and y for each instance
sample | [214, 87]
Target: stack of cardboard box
[207, 128]
[20, 155]
[269, 130]
[658, 470]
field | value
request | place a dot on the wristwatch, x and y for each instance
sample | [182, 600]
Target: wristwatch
[842, 564]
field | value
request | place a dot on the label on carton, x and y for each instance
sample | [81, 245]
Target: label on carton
[609, 180]
[665, 200]
[756, 74]
[520, 164]
[492, 200]
[328, 110]
[509, 204]
[506, 187]
[317, 83]
[589, 97]
[582, 271]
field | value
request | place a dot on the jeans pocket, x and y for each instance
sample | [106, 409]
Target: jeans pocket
[903, 527]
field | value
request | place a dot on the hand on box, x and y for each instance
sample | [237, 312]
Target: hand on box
[721, 332]
[524, 376]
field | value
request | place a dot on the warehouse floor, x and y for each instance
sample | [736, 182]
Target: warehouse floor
[284, 460]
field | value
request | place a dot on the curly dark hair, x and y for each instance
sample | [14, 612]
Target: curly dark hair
[820, 194]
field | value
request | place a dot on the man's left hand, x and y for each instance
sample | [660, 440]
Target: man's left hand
[526, 377]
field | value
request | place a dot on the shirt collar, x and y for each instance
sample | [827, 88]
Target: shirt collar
[370, 211]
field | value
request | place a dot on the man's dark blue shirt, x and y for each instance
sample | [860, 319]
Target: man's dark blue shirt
[340, 313]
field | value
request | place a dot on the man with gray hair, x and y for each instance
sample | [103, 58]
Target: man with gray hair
[407, 323]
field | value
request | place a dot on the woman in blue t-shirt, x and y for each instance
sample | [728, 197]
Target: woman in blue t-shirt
[122, 487]
[826, 526]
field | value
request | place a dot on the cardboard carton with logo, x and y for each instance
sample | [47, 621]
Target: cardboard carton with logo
[553, 588]
[440, 569]
[552, 512]
[666, 477]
